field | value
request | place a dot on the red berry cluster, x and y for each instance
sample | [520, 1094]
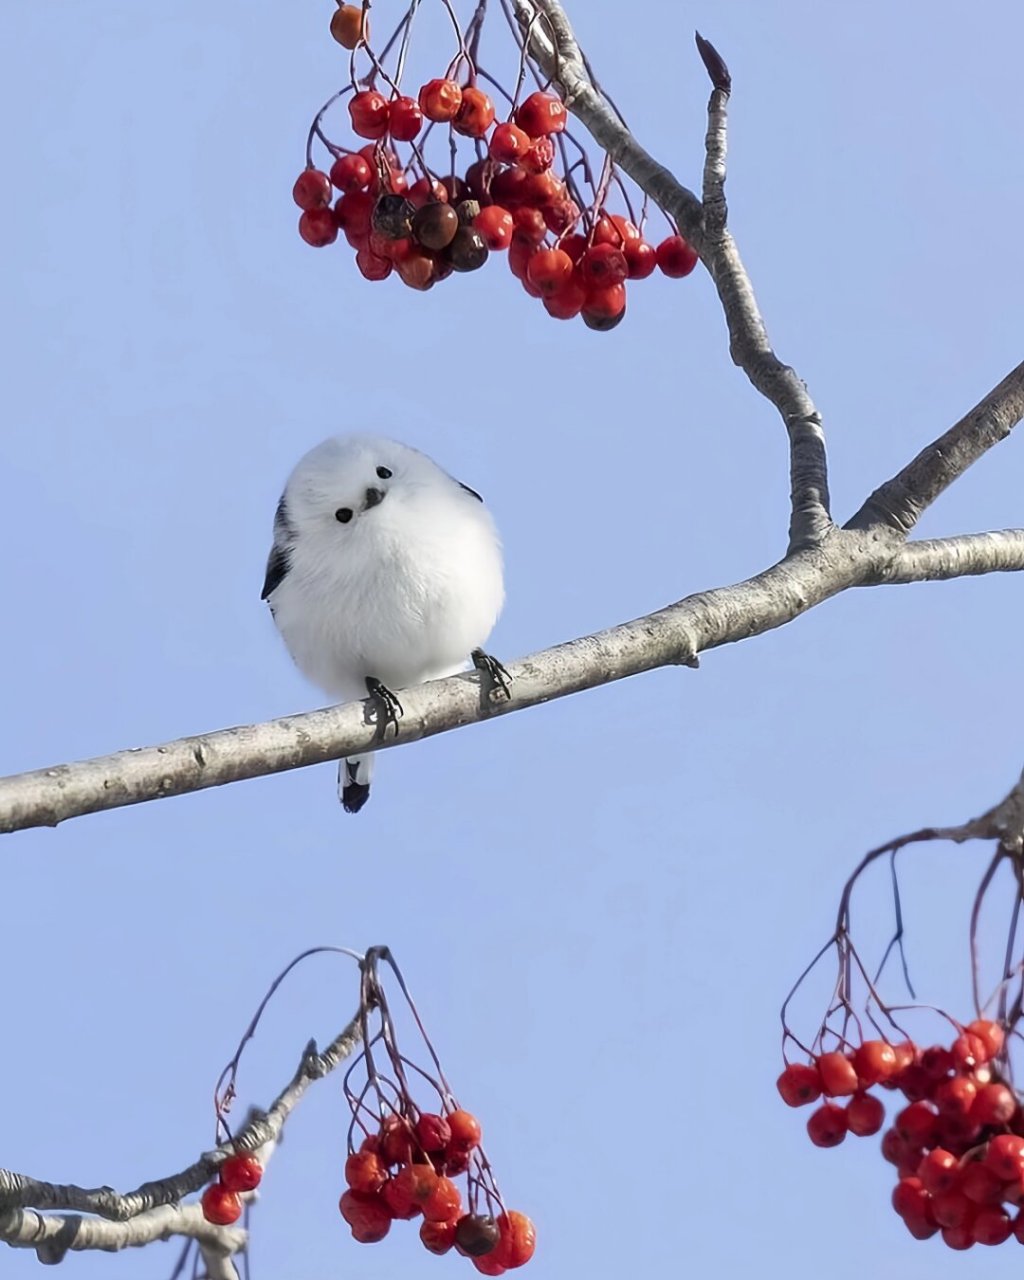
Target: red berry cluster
[958, 1146]
[222, 1199]
[407, 1170]
[577, 261]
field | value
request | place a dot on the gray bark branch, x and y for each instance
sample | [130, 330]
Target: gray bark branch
[898, 504]
[153, 1211]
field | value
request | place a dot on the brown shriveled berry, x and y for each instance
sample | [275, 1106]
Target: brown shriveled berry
[392, 217]
[467, 251]
[467, 211]
[434, 226]
[349, 25]
[476, 1235]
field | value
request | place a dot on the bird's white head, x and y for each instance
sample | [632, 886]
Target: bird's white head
[352, 480]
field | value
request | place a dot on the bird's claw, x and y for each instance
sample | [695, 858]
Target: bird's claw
[389, 709]
[495, 672]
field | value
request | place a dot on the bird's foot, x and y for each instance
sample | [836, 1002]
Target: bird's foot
[389, 709]
[495, 672]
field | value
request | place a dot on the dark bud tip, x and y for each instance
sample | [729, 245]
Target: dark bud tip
[714, 64]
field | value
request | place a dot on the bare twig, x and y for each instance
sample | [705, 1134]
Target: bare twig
[897, 505]
[18, 1191]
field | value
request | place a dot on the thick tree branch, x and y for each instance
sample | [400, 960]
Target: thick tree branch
[154, 1204]
[672, 636]
[938, 559]
[53, 1236]
[898, 504]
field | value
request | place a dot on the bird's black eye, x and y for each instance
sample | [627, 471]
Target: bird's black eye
[343, 515]
[384, 473]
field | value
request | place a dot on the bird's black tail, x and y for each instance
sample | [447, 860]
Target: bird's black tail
[354, 782]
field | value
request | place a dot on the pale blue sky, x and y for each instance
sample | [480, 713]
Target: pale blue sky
[601, 903]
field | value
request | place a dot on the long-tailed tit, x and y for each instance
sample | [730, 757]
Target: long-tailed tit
[384, 572]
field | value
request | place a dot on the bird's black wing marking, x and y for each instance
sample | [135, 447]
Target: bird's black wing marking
[277, 567]
[279, 561]
[469, 490]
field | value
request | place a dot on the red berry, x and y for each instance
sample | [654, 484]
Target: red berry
[365, 1172]
[417, 1182]
[495, 225]
[465, 1128]
[641, 259]
[1018, 1228]
[433, 1132]
[444, 1204]
[549, 269]
[475, 114]
[938, 1062]
[317, 227]
[517, 1239]
[312, 189]
[616, 230]
[604, 307]
[455, 1162]
[488, 1265]
[827, 1126]
[368, 1216]
[838, 1076]
[541, 114]
[980, 1185]
[396, 1141]
[995, 1105]
[530, 224]
[799, 1084]
[565, 304]
[352, 213]
[369, 112]
[676, 257]
[1005, 1156]
[906, 1054]
[405, 119]
[539, 156]
[969, 1051]
[917, 1123]
[426, 191]
[508, 143]
[991, 1226]
[520, 251]
[398, 1199]
[603, 265]
[920, 1228]
[561, 214]
[221, 1206]
[438, 1237]
[894, 1148]
[372, 266]
[351, 173]
[915, 1082]
[952, 1209]
[911, 1200]
[939, 1171]
[575, 246]
[991, 1033]
[955, 1097]
[865, 1115]
[874, 1061]
[440, 100]
[507, 186]
[241, 1173]
[542, 189]
[957, 1237]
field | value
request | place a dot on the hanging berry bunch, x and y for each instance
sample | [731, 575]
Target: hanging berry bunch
[957, 1136]
[437, 181]
[414, 1153]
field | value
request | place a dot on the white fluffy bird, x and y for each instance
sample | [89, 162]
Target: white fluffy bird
[384, 572]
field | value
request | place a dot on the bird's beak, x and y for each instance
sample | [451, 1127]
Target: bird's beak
[374, 497]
